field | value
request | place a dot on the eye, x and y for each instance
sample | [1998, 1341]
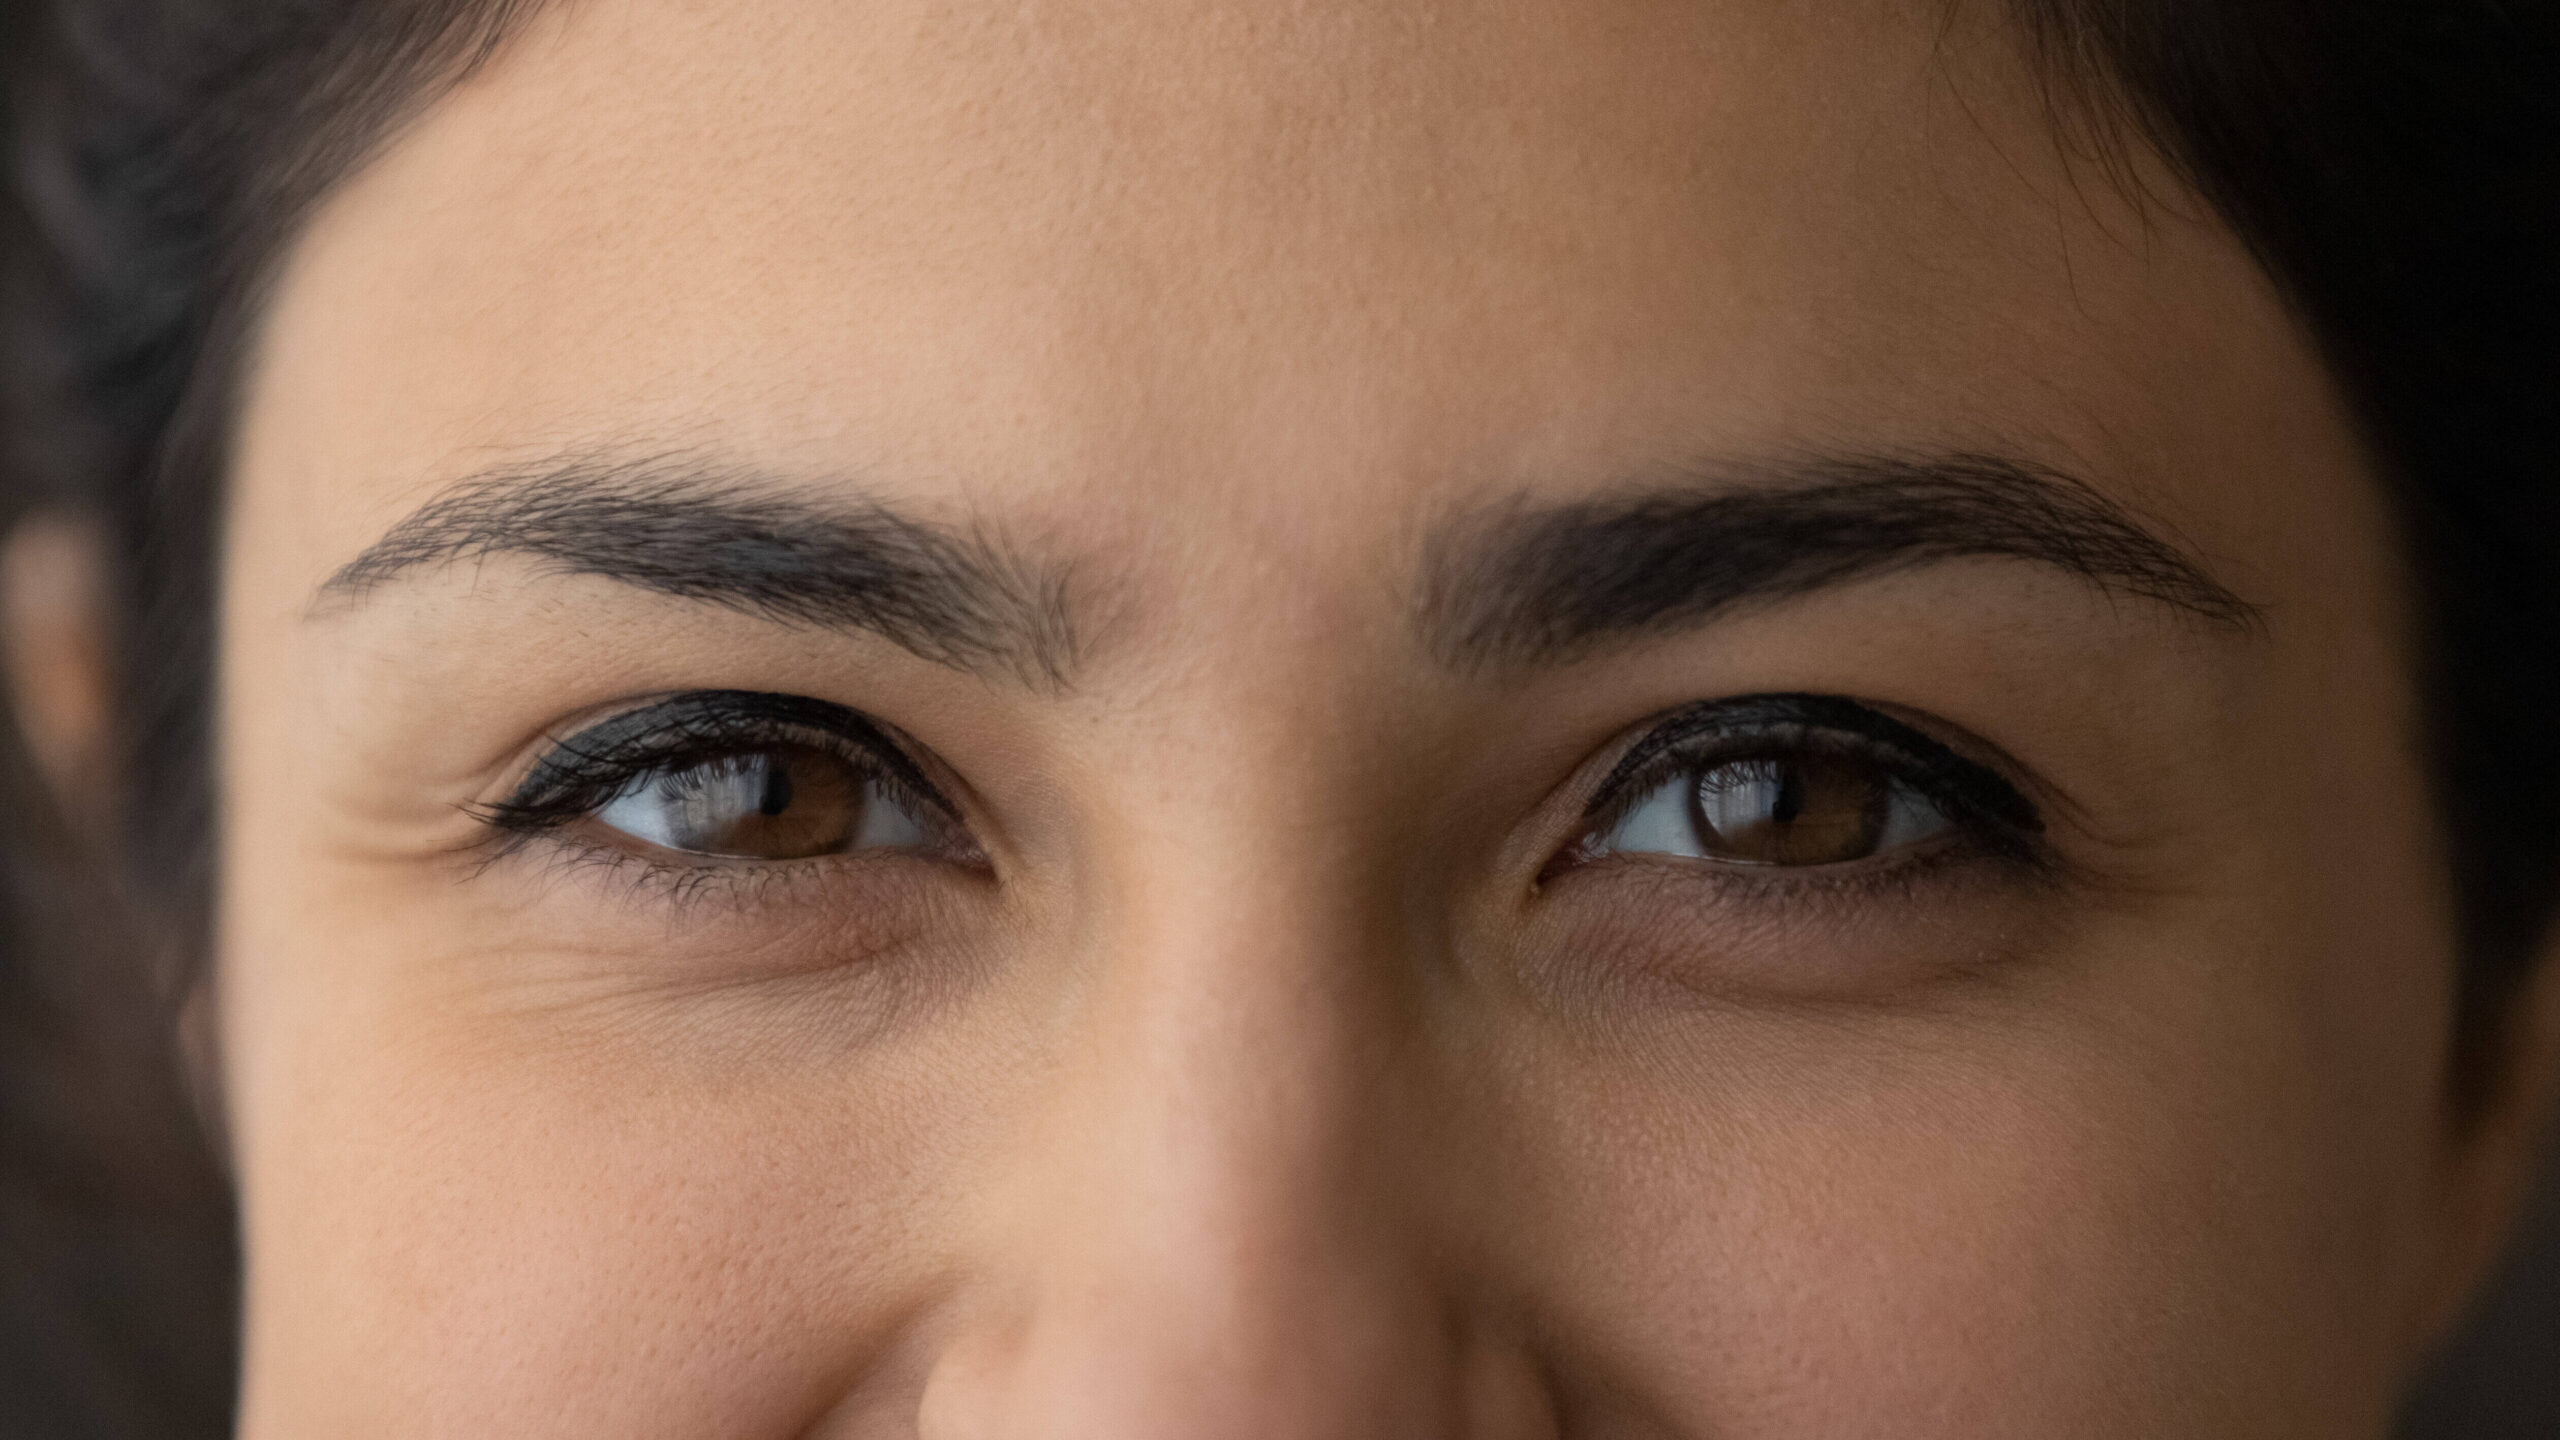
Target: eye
[1802, 809]
[782, 803]
[738, 775]
[1798, 781]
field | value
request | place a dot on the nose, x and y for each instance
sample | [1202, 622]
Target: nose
[1222, 1227]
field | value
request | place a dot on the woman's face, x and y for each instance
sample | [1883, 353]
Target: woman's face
[1175, 719]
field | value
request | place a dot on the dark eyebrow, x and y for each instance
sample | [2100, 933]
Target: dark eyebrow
[1541, 585]
[729, 536]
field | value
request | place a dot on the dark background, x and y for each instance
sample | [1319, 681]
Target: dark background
[2501, 1379]
[2498, 1380]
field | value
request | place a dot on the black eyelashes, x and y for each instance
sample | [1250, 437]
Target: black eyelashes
[1969, 793]
[580, 774]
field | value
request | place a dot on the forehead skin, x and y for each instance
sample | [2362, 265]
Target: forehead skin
[1658, 228]
[1223, 306]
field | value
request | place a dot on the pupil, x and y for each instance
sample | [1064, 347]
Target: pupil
[777, 789]
[1789, 802]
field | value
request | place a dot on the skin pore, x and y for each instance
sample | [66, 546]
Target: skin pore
[1253, 1011]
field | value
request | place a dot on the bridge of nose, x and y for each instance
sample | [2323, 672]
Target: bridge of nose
[1217, 1221]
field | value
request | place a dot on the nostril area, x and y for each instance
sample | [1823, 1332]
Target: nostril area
[1138, 1367]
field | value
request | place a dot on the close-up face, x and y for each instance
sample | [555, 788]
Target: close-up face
[1155, 718]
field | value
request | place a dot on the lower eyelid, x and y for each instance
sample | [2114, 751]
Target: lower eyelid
[1808, 891]
[583, 906]
[565, 854]
[1658, 933]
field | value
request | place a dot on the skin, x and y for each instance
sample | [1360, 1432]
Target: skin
[1263, 1081]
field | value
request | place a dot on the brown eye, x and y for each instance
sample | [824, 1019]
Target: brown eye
[782, 803]
[1812, 810]
[1808, 808]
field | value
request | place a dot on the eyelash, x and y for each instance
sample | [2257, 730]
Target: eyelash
[577, 776]
[1993, 819]
[573, 779]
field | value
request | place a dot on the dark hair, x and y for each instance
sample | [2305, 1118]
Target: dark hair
[2394, 164]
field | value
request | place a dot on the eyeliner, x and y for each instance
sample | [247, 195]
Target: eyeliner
[1937, 772]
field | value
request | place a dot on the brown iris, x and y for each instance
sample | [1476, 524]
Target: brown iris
[785, 803]
[1790, 810]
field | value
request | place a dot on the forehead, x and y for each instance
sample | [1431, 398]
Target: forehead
[1084, 255]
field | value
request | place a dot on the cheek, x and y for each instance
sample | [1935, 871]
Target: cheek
[1869, 1225]
[596, 1219]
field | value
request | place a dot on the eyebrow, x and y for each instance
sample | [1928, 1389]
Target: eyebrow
[731, 536]
[1537, 586]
